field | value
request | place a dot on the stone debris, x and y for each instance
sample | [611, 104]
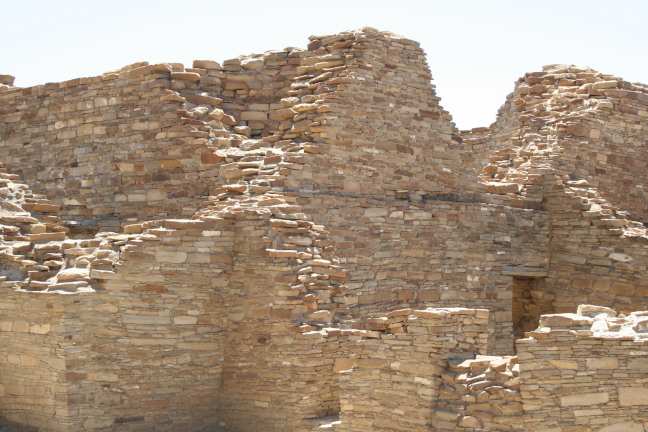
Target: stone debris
[302, 240]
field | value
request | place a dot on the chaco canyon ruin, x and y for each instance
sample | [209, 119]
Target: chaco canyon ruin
[302, 240]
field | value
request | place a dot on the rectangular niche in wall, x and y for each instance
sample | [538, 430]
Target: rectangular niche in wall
[530, 299]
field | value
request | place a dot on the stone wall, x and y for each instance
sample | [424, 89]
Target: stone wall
[35, 362]
[607, 144]
[480, 394]
[569, 121]
[109, 150]
[576, 372]
[394, 380]
[434, 253]
[324, 187]
[585, 371]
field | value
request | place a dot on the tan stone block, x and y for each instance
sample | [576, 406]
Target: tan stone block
[623, 427]
[149, 288]
[107, 308]
[342, 364]
[40, 328]
[631, 396]
[95, 423]
[581, 283]
[622, 288]
[171, 257]
[14, 389]
[605, 84]
[198, 258]
[146, 320]
[470, 422]
[417, 368]
[103, 376]
[254, 116]
[185, 320]
[604, 363]
[201, 401]
[207, 64]
[369, 363]
[582, 399]
[376, 212]
[564, 364]
[282, 253]
[20, 326]
[199, 346]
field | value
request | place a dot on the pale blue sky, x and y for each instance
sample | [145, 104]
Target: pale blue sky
[476, 49]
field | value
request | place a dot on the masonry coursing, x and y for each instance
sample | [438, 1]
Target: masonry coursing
[304, 234]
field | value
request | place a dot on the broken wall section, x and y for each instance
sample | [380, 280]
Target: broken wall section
[373, 115]
[569, 138]
[606, 146]
[480, 394]
[420, 254]
[585, 371]
[108, 149]
[597, 253]
[378, 149]
[394, 378]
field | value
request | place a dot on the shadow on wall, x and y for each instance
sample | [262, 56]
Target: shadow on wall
[8, 426]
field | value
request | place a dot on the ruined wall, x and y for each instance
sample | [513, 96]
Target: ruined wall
[252, 88]
[376, 137]
[367, 104]
[608, 144]
[480, 394]
[352, 126]
[572, 121]
[597, 255]
[434, 253]
[194, 323]
[585, 371]
[242, 317]
[396, 370]
[284, 288]
[37, 360]
[112, 149]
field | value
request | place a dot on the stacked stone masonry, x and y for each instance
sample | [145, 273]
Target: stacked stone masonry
[302, 240]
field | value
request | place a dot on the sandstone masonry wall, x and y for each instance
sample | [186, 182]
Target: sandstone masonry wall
[396, 371]
[324, 186]
[107, 149]
[35, 359]
[585, 371]
[480, 394]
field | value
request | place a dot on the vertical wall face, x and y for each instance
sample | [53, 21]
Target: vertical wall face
[586, 372]
[386, 173]
[284, 288]
[576, 151]
[33, 360]
[109, 148]
[434, 254]
[395, 379]
[609, 146]
[151, 340]
[378, 121]
[597, 254]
